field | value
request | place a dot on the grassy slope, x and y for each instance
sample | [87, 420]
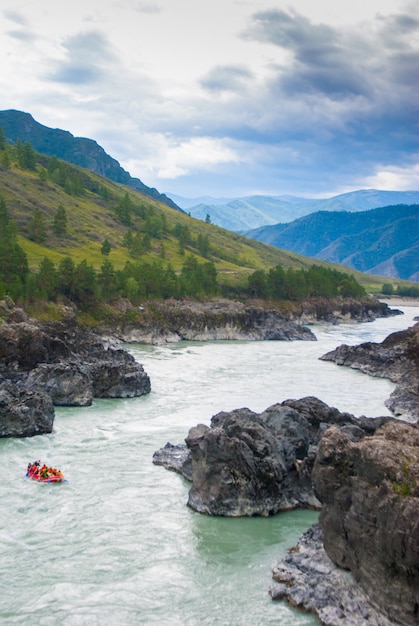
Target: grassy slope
[91, 219]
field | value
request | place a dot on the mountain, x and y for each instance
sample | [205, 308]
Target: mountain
[383, 241]
[78, 150]
[96, 209]
[250, 212]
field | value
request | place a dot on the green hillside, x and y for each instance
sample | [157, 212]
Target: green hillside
[109, 224]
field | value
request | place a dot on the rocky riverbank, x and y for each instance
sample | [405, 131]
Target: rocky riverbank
[43, 364]
[396, 358]
[171, 321]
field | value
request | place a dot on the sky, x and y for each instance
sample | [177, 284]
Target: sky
[226, 98]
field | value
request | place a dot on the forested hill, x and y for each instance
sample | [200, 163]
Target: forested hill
[78, 150]
[383, 241]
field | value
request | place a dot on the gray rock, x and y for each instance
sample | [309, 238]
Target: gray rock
[370, 513]
[396, 358]
[70, 364]
[307, 579]
[24, 413]
[249, 464]
[176, 458]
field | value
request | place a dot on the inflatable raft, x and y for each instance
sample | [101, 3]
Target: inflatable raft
[43, 474]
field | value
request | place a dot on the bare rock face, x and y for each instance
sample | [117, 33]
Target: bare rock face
[24, 413]
[396, 358]
[307, 579]
[249, 464]
[370, 513]
[69, 365]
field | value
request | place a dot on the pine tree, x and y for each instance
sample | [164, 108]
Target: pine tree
[2, 139]
[37, 228]
[14, 267]
[60, 221]
[106, 247]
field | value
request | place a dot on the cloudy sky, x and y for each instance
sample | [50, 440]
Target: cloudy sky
[226, 97]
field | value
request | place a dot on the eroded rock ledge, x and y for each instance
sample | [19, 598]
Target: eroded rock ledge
[43, 364]
[221, 319]
[396, 358]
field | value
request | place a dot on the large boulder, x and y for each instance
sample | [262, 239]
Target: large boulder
[67, 383]
[24, 413]
[370, 513]
[248, 464]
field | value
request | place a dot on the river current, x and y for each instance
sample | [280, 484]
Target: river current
[116, 543]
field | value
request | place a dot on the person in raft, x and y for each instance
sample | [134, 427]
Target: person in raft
[36, 470]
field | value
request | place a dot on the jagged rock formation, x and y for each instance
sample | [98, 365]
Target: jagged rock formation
[176, 458]
[308, 579]
[370, 515]
[396, 358]
[24, 413]
[57, 363]
[249, 464]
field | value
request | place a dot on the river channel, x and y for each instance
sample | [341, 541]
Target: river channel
[116, 544]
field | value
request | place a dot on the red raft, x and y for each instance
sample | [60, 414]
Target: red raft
[44, 474]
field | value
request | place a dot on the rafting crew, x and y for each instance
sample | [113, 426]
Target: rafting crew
[36, 470]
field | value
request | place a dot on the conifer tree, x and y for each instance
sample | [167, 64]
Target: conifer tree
[2, 139]
[37, 227]
[106, 247]
[60, 221]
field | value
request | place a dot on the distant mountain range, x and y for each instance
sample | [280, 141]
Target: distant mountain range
[243, 214]
[78, 150]
[383, 241]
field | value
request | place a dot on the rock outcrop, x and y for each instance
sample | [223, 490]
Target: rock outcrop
[24, 413]
[171, 321]
[249, 464]
[309, 580]
[396, 358]
[370, 513]
[221, 319]
[58, 364]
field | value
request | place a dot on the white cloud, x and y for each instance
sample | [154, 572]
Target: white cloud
[392, 178]
[168, 158]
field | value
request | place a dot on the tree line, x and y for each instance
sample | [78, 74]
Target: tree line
[290, 284]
